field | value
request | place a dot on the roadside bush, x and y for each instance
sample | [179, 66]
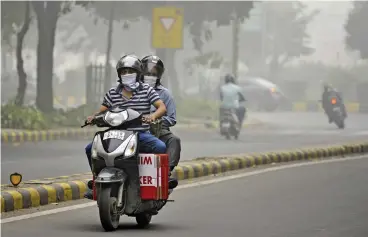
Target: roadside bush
[30, 118]
[74, 117]
[197, 109]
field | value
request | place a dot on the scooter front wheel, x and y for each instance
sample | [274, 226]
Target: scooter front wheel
[108, 210]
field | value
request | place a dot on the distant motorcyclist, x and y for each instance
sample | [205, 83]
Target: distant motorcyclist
[153, 69]
[231, 95]
[328, 92]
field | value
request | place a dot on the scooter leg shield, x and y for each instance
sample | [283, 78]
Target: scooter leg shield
[133, 195]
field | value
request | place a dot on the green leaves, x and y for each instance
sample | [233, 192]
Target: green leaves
[196, 14]
[30, 118]
[357, 31]
[286, 28]
[12, 17]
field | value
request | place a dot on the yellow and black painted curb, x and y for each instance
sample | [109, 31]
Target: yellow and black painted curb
[48, 135]
[64, 134]
[313, 106]
[22, 198]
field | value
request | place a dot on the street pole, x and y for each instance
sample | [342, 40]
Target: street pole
[235, 44]
[264, 38]
[107, 81]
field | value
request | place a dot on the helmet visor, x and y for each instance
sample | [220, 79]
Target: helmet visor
[152, 69]
[129, 62]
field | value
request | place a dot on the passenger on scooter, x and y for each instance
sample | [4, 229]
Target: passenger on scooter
[131, 93]
[328, 92]
[231, 95]
[153, 69]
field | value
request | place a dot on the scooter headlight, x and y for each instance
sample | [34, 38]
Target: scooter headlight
[131, 147]
[115, 119]
[94, 148]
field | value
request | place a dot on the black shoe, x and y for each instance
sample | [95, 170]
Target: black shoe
[89, 194]
[90, 184]
[173, 183]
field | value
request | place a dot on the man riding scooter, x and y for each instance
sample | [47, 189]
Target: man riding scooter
[329, 92]
[131, 93]
[153, 69]
[231, 95]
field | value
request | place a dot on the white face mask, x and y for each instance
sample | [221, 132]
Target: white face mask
[150, 80]
[129, 81]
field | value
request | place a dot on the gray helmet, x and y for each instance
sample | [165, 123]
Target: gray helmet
[229, 78]
[129, 61]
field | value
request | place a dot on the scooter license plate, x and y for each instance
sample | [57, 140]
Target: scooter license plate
[226, 125]
[114, 134]
[336, 109]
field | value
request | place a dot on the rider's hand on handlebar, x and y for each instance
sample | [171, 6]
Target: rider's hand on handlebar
[89, 119]
[148, 118]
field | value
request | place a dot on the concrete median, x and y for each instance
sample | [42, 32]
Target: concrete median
[33, 194]
[19, 136]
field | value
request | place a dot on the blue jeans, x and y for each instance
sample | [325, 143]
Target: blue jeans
[147, 144]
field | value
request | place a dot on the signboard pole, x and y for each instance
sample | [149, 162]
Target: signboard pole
[167, 34]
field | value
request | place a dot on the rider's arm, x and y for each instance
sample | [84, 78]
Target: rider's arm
[241, 96]
[168, 99]
[102, 109]
[155, 100]
[106, 103]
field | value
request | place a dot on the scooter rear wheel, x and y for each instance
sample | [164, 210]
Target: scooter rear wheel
[143, 219]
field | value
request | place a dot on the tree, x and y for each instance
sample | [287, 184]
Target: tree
[195, 13]
[357, 32]
[11, 21]
[10, 18]
[282, 44]
[47, 13]
[19, 100]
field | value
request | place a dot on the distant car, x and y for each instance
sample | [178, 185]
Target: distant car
[261, 94]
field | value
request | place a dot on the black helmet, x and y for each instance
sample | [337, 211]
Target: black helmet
[151, 61]
[327, 87]
[130, 61]
[229, 78]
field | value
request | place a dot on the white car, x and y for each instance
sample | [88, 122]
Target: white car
[261, 94]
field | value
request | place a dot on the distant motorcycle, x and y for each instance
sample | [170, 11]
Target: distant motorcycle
[336, 112]
[229, 124]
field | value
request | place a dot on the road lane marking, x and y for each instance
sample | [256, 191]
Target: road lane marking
[192, 185]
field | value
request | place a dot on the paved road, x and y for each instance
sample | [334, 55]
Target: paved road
[312, 120]
[323, 200]
[50, 159]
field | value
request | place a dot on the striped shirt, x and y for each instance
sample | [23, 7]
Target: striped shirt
[141, 100]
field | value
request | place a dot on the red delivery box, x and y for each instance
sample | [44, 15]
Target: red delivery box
[154, 176]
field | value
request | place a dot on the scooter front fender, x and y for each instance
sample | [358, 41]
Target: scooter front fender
[111, 175]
